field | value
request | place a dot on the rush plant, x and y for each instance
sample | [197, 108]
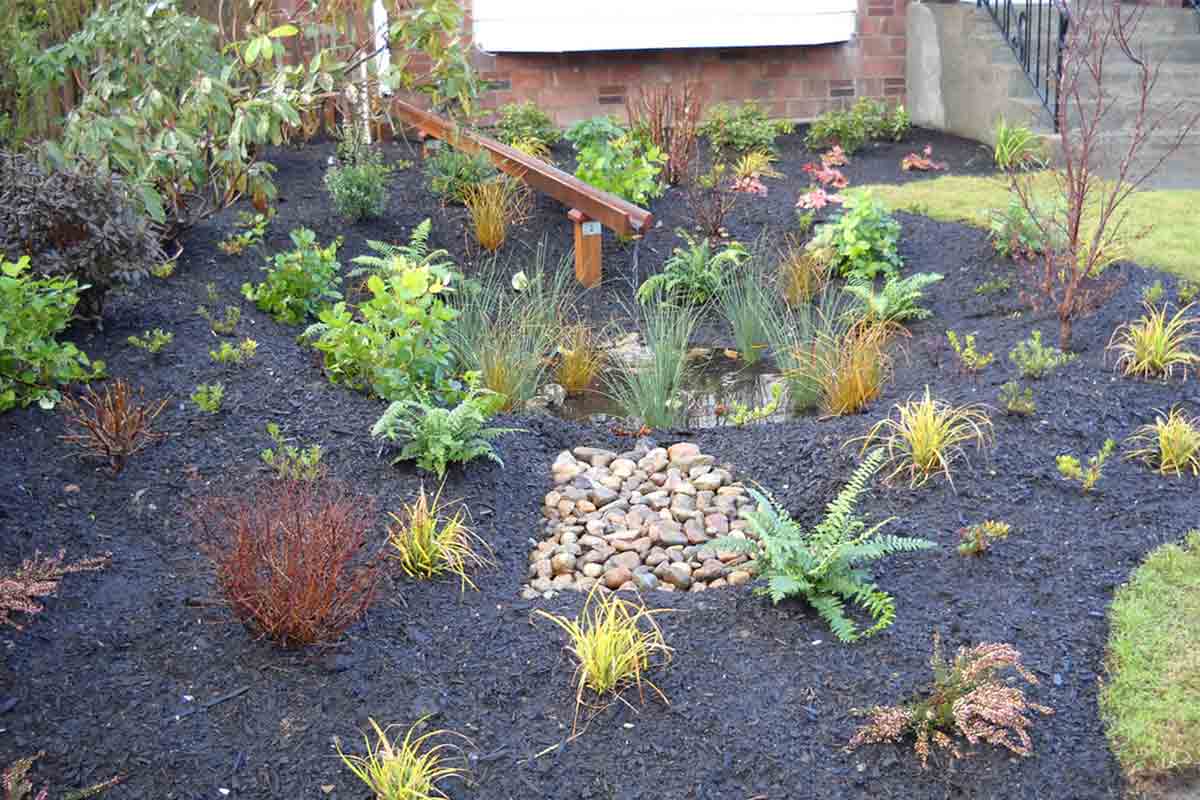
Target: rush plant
[1155, 345]
[114, 425]
[824, 564]
[651, 391]
[428, 540]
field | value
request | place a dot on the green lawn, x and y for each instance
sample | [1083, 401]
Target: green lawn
[1171, 217]
[1151, 701]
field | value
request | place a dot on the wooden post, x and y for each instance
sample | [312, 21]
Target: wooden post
[588, 239]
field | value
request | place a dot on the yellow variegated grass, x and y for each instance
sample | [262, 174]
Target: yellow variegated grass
[1171, 443]
[408, 769]
[428, 542]
[1155, 346]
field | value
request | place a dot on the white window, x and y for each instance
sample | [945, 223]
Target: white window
[560, 26]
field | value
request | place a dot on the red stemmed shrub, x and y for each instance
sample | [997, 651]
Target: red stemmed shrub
[291, 558]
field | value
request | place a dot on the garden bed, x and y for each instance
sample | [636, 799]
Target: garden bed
[116, 675]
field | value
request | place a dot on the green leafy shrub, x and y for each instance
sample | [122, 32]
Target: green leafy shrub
[299, 282]
[851, 128]
[449, 172]
[436, 437]
[693, 274]
[861, 243]
[742, 128]
[624, 166]
[594, 131]
[33, 364]
[897, 301]
[253, 229]
[1036, 360]
[152, 341]
[208, 397]
[1016, 233]
[224, 325]
[290, 462]
[358, 188]
[1087, 478]
[78, 223]
[522, 122]
[397, 345]
[823, 564]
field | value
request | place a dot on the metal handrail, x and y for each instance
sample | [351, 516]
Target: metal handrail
[1036, 30]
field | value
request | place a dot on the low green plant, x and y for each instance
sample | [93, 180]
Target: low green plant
[1188, 291]
[397, 344]
[1017, 401]
[693, 274]
[969, 359]
[651, 391]
[975, 540]
[743, 128]
[740, 413]
[237, 356]
[299, 282]
[152, 341]
[597, 130]
[523, 122]
[1015, 232]
[968, 698]
[208, 397]
[897, 301]
[1017, 147]
[253, 229]
[1036, 360]
[358, 187]
[804, 222]
[163, 270]
[226, 324]
[290, 462]
[824, 564]
[861, 243]
[404, 769]
[33, 363]
[1071, 469]
[625, 166]
[851, 128]
[993, 286]
[1149, 699]
[436, 437]
[449, 172]
[1154, 293]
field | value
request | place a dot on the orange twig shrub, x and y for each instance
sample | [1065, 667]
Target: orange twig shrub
[114, 425]
[290, 558]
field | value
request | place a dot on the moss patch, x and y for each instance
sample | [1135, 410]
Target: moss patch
[1151, 702]
[1172, 244]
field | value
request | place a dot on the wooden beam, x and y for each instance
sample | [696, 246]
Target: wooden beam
[614, 213]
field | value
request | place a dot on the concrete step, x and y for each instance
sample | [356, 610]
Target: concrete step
[1177, 49]
[1180, 170]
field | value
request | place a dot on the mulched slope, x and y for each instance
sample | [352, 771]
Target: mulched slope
[760, 695]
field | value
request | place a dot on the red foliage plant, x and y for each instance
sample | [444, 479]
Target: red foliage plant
[671, 117]
[826, 176]
[291, 558]
[115, 424]
[922, 163]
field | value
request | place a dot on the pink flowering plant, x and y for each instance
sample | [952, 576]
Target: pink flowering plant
[969, 699]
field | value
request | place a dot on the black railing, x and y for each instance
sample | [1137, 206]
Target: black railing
[1036, 30]
[1195, 6]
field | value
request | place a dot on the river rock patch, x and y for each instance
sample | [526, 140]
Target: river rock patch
[639, 521]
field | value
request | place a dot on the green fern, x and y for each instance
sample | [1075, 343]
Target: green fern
[821, 564]
[897, 301]
[416, 253]
[435, 437]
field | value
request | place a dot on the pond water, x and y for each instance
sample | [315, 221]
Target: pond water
[715, 385]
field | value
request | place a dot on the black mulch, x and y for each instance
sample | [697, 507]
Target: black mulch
[760, 696]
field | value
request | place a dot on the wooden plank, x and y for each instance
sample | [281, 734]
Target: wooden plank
[614, 213]
[588, 255]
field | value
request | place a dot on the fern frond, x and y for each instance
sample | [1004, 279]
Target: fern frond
[831, 609]
[742, 546]
[781, 587]
[879, 604]
[880, 546]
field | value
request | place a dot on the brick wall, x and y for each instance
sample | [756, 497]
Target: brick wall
[794, 82]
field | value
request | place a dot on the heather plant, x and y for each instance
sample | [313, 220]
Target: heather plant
[291, 462]
[969, 358]
[114, 425]
[522, 122]
[300, 282]
[436, 437]
[291, 558]
[626, 166]
[1016, 400]
[861, 243]
[824, 564]
[153, 341]
[1087, 477]
[229, 355]
[36, 578]
[1170, 444]
[977, 539]
[744, 128]
[693, 274]
[428, 540]
[927, 436]
[1155, 345]
[652, 391]
[208, 397]
[450, 172]
[403, 769]
[1036, 360]
[899, 299]
[33, 363]
[969, 698]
